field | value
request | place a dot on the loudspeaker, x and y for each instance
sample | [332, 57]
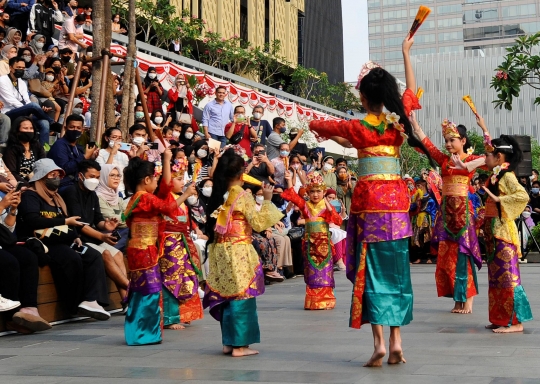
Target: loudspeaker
[525, 167]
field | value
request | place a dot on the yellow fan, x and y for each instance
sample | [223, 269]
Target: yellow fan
[469, 101]
[251, 180]
[419, 93]
[421, 16]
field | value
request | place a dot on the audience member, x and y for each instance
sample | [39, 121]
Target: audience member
[153, 91]
[274, 140]
[216, 114]
[8, 52]
[260, 167]
[300, 148]
[534, 202]
[299, 175]
[262, 128]
[281, 163]
[36, 44]
[328, 174]
[241, 125]
[116, 26]
[71, 34]
[179, 97]
[41, 21]
[71, 9]
[19, 13]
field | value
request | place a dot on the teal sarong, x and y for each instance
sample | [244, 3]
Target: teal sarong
[143, 319]
[462, 277]
[239, 323]
[171, 308]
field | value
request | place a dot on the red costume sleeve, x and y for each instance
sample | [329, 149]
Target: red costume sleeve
[164, 189]
[291, 195]
[434, 152]
[410, 101]
[151, 203]
[333, 128]
[333, 217]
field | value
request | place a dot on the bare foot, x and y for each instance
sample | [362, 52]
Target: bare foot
[416, 262]
[457, 307]
[492, 326]
[227, 349]
[376, 358]
[467, 306]
[175, 327]
[429, 261]
[510, 329]
[396, 357]
[244, 351]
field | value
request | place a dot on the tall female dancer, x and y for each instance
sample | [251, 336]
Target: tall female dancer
[379, 225]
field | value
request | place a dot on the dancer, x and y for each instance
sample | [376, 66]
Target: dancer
[317, 248]
[144, 315]
[236, 275]
[508, 303]
[454, 238]
[379, 225]
[180, 264]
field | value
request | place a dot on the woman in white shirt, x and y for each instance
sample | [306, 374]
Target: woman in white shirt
[110, 153]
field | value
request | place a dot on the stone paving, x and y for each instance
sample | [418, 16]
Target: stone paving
[297, 346]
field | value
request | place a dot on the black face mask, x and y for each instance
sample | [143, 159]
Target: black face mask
[52, 184]
[56, 69]
[72, 135]
[18, 73]
[277, 200]
[65, 59]
[85, 74]
[25, 137]
[292, 137]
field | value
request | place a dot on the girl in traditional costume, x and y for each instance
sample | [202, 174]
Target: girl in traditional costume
[317, 248]
[143, 324]
[454, 238]
[508, 303]
[236, 275]
[379, 225]
[180, 264]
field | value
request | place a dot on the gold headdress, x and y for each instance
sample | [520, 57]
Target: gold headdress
[449, 129]
[179, 167]
[315, 182]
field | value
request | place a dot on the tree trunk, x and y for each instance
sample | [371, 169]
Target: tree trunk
[128, 96]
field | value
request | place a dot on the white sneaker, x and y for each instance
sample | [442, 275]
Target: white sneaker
[201, 293]
[93, 310]
[7, 304]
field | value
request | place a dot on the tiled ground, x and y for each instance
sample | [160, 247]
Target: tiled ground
[297, 346]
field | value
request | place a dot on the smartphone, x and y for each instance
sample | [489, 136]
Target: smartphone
[125, 146]
[337, 205]
[20, 184]
[82, 249]
[152, 145]
[116, 235]
[91, 144]
[319, 149]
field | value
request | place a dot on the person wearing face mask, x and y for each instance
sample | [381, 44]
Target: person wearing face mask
[242, 125]
[281, 163]
[71, 34]
[328, 174]
[180, 97]
[274, 140]
[186, 135]
[197, 204]
[23, 149]
[110, 152]
[8, 51]
[153, 90]
[158, 120]
[116, 26]
[79, 277]
[299, 175]
[67, 154]
[85, 82]
[43, 15]
[16, 103]
[345, 188]
[534, 202]
[202, 166]
[300, 148]
[262, 128]
[82, 201]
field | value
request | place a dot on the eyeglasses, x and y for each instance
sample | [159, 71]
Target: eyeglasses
[115, 137]
[115, 176]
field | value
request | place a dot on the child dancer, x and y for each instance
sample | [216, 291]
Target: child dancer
[236, 275]
[317, 247]
[508, 303]
[143, 216]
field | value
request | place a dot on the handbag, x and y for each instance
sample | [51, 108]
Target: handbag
[184, 118]
[7, 238]
[237, 137]
[296, 233]
[35, 88]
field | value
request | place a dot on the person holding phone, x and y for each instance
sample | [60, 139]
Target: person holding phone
[152, 91]
[260, 167]
[241, 124]
[79, 277]
[180, 97]
[111, 153]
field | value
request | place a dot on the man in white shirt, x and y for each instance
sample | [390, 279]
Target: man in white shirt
[16, 103]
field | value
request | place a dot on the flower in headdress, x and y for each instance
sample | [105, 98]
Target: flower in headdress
[470, 151]
[315, 181]
[449, 129]
[498, 170]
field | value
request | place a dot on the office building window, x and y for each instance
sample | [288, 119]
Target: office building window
[449, 109]
[428, 24]
[520, 103]
[244, 21]
[482, 33]
[375, 56]
[480, 15]
[393, 55]
[437, 85]
[449, 36]
[448, 84]
[438, 111]
[528, 10]
[423, 51]
[485, 108]
[396, 14]
[373, 3]
[460, 83]
[266, 21]
[451, 48]
[534, 130]
[397, 27]
[532, 27]
[522, 129]
[447, 23]
[426, 109]
[375, 43]
[446, 9]
[393, 41]
[424, 38]
[374, 29]
[394, 2]
[533, 104]
[375, 16]
[395, 68]
[426, 85]
[420, 1]
[461, 109]
[472, 82]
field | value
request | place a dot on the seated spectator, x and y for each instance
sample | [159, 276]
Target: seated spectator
[43, 15]
[328, 174]
[4, 20]
[260, 167]
[152, 90]
[202, 167]
[78, 275]
[19, 275]
[281, 163]
[71, 34]
[241, 124]
[36, 44]
[158, 120]
[111, 205]
[299, 175]
[66, 57]
[186, 135]
[82, 201]
[14, 96]
[300, 148]
[262, 128]
[274, 140]
[8, 52]
[56, 83]
[116, 26]
[85, 81]
[110, 152]
[14, 37]
[67, 154]
[23, 149]
[341, 162]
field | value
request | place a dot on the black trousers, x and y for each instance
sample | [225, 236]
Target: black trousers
[19, 275]
[298, 260]
[78, 277]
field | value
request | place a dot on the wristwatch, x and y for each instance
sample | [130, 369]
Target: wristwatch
[13, 213]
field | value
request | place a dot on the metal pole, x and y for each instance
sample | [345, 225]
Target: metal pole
[74, 82]
[102, 93]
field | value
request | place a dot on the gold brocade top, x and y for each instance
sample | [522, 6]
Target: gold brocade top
[514, 199]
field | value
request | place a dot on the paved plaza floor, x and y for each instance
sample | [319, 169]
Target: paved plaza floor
[297, 346]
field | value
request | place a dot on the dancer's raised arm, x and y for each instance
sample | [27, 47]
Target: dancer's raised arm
[410, 80]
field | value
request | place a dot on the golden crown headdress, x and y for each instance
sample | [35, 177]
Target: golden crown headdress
[449, 129]
[315, 182]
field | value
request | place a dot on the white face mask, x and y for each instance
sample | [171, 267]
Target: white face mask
[257, 115]
[27, 58]
[202, 153]
[152, 75]
[192, 200]
[176, 134]
[296, 166]
[77, 111]
[40, 45]
[327, 167]
[158, 120]
[207, 191]
[111, 144]
[138, 141]
[91, 184]
[49, 77]
[259, 199]
[116, 20]
[189, 135]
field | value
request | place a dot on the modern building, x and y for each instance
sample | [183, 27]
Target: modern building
[452, 26]
[447, 77]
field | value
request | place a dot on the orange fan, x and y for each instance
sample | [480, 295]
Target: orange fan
[421, 16]
[469, 101]
[419, 93]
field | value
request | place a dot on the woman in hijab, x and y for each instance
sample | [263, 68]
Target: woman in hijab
[179, 97]
[153, 91]
[7, 53]
[186, 135]
[14, 37]
[201, 168]
[36, 44]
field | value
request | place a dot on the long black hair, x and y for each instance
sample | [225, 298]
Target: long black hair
[379, 87]
[13, 139]
[463, 135]
[108, 132]
[229, 168]
[136, 170]
[513, 156]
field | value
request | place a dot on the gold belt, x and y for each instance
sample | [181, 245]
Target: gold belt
[234, 239]
[316, 226]
[455, 185]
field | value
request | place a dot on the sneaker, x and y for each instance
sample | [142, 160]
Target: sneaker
[201, 293]
[93, 310]
[7, 304]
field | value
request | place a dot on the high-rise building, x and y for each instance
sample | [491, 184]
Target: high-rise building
[452, 26]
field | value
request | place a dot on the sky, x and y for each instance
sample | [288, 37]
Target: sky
[355, 37]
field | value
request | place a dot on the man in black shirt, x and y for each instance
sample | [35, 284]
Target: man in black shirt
[535, 202]
[301, 149]
[81, 200]
[260, 167]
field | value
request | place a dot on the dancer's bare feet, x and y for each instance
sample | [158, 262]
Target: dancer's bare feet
[458, 307]
[175, 327]
[376, 358]
[396, 352]
[417, 261]
[510, 329]
[492, 326]
[396, 357]
[244, 351]
[227, 349]
[467, 306]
